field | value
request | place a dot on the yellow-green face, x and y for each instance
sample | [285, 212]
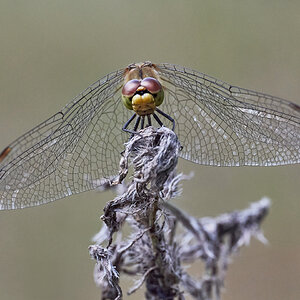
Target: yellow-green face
[142, 91]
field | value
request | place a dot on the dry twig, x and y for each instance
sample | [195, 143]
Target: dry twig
[155, 249]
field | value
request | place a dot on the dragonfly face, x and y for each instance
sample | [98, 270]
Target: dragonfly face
[78, 148]
[143, 93]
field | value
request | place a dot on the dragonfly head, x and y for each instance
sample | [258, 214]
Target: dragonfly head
[142, 92]
[142, 96]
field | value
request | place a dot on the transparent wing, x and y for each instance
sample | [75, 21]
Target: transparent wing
[75, 150]
[222, 125]
[79, 148]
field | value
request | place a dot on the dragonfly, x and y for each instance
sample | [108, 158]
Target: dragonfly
[78, 148]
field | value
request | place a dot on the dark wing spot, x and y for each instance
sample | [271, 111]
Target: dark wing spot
[4, 153]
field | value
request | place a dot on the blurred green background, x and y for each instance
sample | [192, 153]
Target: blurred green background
[52, 50]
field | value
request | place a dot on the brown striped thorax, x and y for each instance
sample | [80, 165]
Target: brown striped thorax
[142, 91]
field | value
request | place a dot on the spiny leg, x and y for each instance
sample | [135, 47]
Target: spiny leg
[149, 120]
[124, 128]
[133, 132]
[136, 125]
[166, 116]
[142, 123]
[137, 122]
[157, 119]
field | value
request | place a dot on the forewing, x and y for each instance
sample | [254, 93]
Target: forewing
[222, 125]
[75, 150]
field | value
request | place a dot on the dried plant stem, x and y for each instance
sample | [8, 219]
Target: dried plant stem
[155, 250]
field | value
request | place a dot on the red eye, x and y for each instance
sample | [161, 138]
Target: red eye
[130, 87]
[151, 84]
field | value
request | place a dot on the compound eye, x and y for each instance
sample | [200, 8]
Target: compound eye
[130, 87]
[151, 84]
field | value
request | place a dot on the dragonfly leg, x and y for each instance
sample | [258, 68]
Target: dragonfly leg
[142, 123]
[157, 119]
[167, 117]
[124, 128]
[149, 120]
[137, 122]
[136, 125]
[133, 132]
